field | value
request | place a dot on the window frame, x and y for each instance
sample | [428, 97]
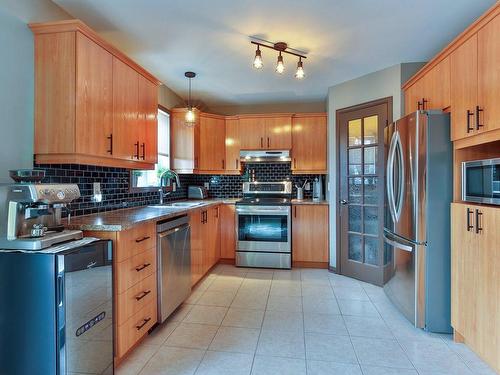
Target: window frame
[148, 189]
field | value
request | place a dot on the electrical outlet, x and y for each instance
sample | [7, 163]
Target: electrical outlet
[174, 187]
[207, 185]
[97, 197]
[308, 186]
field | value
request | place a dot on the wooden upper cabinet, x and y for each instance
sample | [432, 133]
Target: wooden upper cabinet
[252, 133]
[87, 94]
[126, 126]
[232, 145]
[94, 98]
[148, 120]
[183, 146]
[436, 86]
[278, 133]
[310, 233]
[212, 147]
[309, 144]
[463, 68]
[488, 49]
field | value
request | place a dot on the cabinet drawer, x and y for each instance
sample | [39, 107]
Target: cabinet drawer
[135, 298]
[135, 240]
[135, 328]
[135, 269]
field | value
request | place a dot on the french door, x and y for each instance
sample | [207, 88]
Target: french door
[361, 190]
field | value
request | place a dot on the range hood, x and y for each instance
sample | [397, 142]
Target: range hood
[260, 156]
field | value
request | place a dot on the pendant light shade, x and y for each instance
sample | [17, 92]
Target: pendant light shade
[190, 117]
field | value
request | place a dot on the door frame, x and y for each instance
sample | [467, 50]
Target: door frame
[388, 101]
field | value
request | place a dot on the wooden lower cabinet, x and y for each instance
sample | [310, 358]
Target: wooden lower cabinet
[475, 279]
[310, 234]
[227, 231]
[197, 222]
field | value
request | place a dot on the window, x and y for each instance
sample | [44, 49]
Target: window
[151, 178]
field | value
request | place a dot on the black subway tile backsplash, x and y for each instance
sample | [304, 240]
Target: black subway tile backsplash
[115, 184]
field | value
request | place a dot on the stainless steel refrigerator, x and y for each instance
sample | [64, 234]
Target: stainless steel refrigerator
[419, 184]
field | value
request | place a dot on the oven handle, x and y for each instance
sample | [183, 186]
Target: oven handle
[263, 212]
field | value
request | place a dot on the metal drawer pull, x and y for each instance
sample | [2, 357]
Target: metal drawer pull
[469, 226]
[142, 295]
[144, 322]
[478, 225]
[142, 239]
[140, 268]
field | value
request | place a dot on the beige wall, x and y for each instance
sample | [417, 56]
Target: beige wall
[169, 99]
[298, 107]
[35, 10]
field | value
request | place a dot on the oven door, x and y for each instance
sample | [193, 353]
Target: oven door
[481, 181]
[263, 228]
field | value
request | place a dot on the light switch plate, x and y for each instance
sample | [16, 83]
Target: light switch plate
[97, 196]
[207, 185]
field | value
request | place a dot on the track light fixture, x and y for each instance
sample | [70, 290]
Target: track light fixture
[282, 48]
[190, 117]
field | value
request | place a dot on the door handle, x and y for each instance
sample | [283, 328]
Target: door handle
[478, 113]
[469, 226]
[110, 137]
[343, 202]
[140, 268]
[469, 115]
[144, 322]
[142, 295]
[268, 143]
[143, 146]
[478, 223]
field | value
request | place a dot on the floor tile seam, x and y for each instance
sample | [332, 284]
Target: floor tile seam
[303, 321]
[260, 331]
[150, 358]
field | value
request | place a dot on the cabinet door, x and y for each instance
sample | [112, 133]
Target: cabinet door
[413, 95]
[148, 120]
[215, 235]
[212, 151]
[310, 233]
[125, 107]
[278, 133]
[252, 133]
[227, 231]
[463, 67]
[94, 98]
[463, 269]
[232, 145]
[309, 140]
[488, 48]
[197, 233]
[436, 86]
[182, 141]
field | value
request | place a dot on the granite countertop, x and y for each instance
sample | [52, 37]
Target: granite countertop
[118, 220]
[309, 201]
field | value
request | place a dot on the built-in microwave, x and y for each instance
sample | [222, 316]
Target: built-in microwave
[481, 181]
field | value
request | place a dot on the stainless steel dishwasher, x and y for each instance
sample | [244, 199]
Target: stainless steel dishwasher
[174, 264]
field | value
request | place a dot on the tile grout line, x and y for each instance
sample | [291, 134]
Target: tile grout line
[303, 321]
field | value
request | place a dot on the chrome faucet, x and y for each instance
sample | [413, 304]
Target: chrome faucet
[167, 176]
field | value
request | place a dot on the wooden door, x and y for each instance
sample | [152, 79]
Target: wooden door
[182, 142]
[310, 233]
[464, 271]
[361, 163]
[436, 86]
[232, 145]
[309, 144]
[278, 133]
[148, 120]
[212, 149]
[488, 47]
[126, 143]
[94, 98]
[197, 234]
[252, 133]
[463, 72]
[227, 231]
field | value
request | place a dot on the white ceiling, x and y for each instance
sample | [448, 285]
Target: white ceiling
[344, 39]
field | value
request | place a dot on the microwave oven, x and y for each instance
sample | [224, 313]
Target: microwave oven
[481, 181]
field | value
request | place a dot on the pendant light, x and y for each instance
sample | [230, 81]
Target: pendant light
[257, 61]
[280, 67]
[190, 117]
[299, 74]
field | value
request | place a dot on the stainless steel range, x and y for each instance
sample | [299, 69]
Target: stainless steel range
[263, 222]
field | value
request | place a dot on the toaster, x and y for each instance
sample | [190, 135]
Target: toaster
[197, 192]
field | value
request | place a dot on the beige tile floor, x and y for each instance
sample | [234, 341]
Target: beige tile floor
[303, 321]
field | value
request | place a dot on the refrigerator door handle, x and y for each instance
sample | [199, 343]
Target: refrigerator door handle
[397, 244]
[398, 207]
[390, 177]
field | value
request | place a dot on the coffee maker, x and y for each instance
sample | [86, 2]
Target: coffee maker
[31, 212]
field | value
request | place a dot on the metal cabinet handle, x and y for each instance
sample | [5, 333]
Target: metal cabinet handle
[268, 143]
[143, 146]
[478, 113]
[419, 105]
[479, 228]
[217, 212]
[237, 163]
[469, 226]
[223, 164]
[136, 150]
[140, 268]
[261, 142]
[142, 239]
[294, 163]
[110, 137]
[295, 211]
[469, 115]
[144, 322]
[142, 295]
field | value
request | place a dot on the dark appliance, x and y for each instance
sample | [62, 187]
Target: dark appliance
[481, 181]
